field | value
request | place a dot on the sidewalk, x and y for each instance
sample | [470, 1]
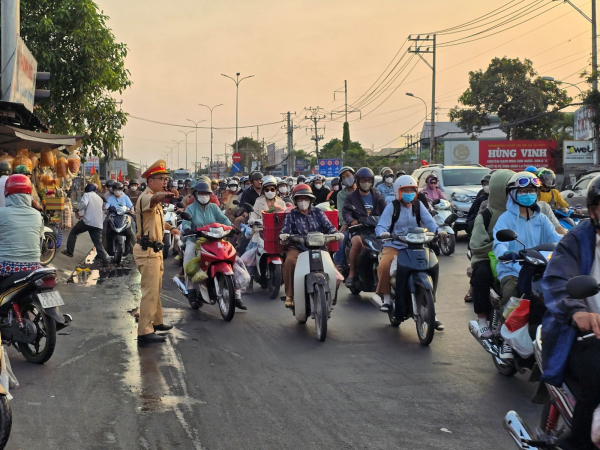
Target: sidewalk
[65, 265]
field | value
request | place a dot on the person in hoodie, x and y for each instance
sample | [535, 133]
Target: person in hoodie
[21, 228]
[563, 356]
[482, 196]
[481, 244]
[432, 189]
[533, 228]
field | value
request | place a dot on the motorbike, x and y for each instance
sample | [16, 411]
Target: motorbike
[368, 260]
[171, 219]
[314, 281]
[50, 241]
[218, 258]
[268, 263]
[120, 221]
[533, 263]
[568, 218]
[559, 402]
[420, 270]
[5, 409]
[29, 313]
[444, 218]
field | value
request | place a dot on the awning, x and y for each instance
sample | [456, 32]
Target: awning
[12, 138]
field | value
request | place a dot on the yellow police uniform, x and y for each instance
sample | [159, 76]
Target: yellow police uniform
[150, 222]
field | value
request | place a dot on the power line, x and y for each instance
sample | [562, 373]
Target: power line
[205, 128]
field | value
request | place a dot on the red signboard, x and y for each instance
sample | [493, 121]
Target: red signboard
[517, 155]
[236, 157]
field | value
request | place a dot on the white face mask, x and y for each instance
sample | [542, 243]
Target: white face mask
[203, 199]
[303, 205]
[389, 180]
[318, 185]
[233, 187]
[366, 186]
[270, 195]
[336, 187]
[486, 189]
[133, 188]
[290, 184]
[283, 189]
[118, 192]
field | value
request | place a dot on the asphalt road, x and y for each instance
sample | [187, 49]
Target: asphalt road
[262, 381]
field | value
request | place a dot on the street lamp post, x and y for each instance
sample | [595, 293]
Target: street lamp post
[211, 129]
[196, 127]
[237, 82]
[177, 142]
[562, 82]
[171, 153]
[410, 94]
[186, 133]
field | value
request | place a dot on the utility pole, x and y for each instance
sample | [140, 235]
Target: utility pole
[419, 49]
[178, 142]
[315, 117]
[211, 126]
[290, 140]
[237, 82]
[345, 110]
[11, 23]
[186, 134]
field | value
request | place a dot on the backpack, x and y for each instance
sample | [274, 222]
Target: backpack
[416, 210]
[487, 217]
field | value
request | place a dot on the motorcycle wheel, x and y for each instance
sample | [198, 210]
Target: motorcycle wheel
[274, 280]
[447, 247]
[227, 299]
[425, 315]
[320, 302]
[354, 290]
[393, 322]
[42, 349]
[507, 370]
[166, 245]
[48, 249]
[118, 253]
[5, 420]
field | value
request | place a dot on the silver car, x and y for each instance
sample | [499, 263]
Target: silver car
[575, 195]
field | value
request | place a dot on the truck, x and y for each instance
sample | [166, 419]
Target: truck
[181, 174]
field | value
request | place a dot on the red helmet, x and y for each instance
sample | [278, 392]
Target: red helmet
[302, 190]
[17, 184]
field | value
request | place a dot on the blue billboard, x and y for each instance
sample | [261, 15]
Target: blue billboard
[330, 167]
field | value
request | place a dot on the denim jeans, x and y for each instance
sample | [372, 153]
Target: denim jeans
[338, 257]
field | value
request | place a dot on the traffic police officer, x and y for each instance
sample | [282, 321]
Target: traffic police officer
[148, 251]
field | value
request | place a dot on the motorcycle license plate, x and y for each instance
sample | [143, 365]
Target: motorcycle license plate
[50, 299]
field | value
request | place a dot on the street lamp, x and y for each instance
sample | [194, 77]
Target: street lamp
[196, 127]
[186, 133]
[410, 94]
[211, 127]
[562, 82]
[237, 82]
[177, 142]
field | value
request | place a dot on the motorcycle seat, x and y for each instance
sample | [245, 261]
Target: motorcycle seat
[6, 282]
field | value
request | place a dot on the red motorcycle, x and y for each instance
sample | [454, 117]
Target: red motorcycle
[217, 260]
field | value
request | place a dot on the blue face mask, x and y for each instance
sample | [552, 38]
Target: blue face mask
[526, 199]
[408, 198]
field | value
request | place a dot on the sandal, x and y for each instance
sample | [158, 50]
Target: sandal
[349, 282]
[289, 302]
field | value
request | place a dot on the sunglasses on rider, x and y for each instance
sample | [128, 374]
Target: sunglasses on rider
[526, 181]
[433, 181]
[269, 189]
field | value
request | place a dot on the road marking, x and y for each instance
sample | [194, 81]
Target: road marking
[78, 357]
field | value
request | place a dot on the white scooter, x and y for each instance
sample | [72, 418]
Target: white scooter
[171, 219]
[444, 218]
[268, 265]
[314, 281]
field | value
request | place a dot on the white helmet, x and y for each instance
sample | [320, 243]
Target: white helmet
[404, 181]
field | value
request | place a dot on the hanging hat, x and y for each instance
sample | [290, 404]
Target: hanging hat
[159, 166]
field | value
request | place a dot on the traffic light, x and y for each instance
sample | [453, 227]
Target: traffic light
[41, 79]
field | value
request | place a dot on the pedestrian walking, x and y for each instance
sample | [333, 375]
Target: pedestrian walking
[91, 217]
[148, 253]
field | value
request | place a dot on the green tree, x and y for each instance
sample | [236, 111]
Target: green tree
[346, 137]
[251, 150]
[333, 149]
[510, 89]
[562, 131]
[71, 40]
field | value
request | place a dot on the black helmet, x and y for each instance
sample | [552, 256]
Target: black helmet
[386, 171]
[335, 181]
[90, 187]
[547, 178]
[143, 186]
[170, 184]
[300, 179]
[188, 180]
[400, 173]
[110, 183]
[180, 182]
[118, 186]
[256, 176]
[5, 168]
[365, 172]
[202, 188]
[134, 182]
[593, 198]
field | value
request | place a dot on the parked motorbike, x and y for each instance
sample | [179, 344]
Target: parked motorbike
[368, 260]
[568, 217]
[120, 220]
[218, 258]
[559, 402]
[533, 263]
[314, 281]
[50, 242]
[418, 268]
[29, 313]
[171, 219]
[268, 264]
[444, 218]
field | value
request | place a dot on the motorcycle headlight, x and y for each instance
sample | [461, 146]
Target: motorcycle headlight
[438, 220]
[463, 198]
[416, 238]
[315, 240]
[216, 233]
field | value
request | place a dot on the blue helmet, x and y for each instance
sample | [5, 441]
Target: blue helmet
[531, 169]
[91, 187]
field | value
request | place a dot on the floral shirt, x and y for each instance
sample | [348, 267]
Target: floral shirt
[298, 223]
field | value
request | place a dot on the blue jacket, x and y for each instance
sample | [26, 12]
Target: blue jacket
[406, 220]
[535, 231]
[211, 214]
[386, 191]
[573, 256]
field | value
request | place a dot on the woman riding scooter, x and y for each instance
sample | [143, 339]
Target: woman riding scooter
[203, 213]
[301, 220]
[267, 200]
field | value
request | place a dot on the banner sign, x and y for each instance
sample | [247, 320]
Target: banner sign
[22, 89]
[301, 165]
[460, 153]
[330, 167]
[582, 128]
[92, 161]
[578, 152]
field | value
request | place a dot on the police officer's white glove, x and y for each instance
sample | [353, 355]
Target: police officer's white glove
[283, 238]
[339, 236]
[385, 235]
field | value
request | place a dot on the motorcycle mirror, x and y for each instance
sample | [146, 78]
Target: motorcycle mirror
[582, 287]
[235, 202]
[451, 219]
[506, 235]
[436, 201]
[180, 205]
[185, 216]
[570, 195]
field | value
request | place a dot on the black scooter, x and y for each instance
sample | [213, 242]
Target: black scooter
[366, 269]
[414, 282]
[119, 226]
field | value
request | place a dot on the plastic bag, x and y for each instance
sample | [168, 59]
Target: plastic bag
[47, 158]
[512, 304]
[596, 427]
[241, 277]
[23, 152]
[192, 267]
[34, 160]
[199, 276]
[7, 377]
[519, 340]
[393, 267]
[61, 167]
[74, 163]
[249, 257]
[519, 317]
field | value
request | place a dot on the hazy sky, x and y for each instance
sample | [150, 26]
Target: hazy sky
[300, 52]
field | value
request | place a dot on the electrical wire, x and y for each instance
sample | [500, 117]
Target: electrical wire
[203, 128]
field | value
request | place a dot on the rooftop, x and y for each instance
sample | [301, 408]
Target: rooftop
[450, 131]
